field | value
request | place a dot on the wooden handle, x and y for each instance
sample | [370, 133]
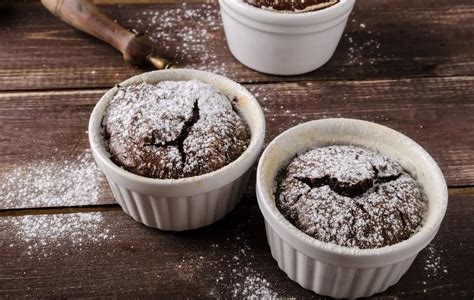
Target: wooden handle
[85, 16]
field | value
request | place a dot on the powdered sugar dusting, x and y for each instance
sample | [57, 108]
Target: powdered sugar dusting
[173, 129]
[236, 269]
[350, 197]
[347, 164]
[48, 183]
[193, 28]
[231, 263]
[254, 287]
[367, 50]
[42, 234]
[433, 263]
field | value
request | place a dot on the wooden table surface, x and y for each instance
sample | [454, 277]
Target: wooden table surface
[405, 64]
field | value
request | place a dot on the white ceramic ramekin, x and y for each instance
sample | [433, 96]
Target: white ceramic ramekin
[334, 270]
[188, 203]
[283, 43]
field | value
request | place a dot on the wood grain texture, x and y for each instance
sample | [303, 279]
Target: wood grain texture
[385, 39]
[112, 255]
[437, 113]
[405, 64]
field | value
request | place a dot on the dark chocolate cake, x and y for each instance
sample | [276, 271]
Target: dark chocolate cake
[350, 197]
[292, 5]
[173, 129]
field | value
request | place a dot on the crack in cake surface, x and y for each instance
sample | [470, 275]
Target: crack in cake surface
[188, 125]
[344, 189]
[179, 141]
[338, 187]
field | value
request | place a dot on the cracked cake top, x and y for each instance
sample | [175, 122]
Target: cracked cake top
[173, 129]
[292, 5]
[350, 197]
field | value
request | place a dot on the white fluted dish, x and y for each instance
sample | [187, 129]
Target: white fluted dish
[283, 43]
[333, 270]
[186, 203]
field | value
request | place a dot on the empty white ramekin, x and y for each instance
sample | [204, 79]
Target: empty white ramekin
[283, 43]
[187, 203]
[333, 270]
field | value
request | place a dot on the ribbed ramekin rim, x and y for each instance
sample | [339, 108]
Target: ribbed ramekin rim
[275, 218]
[250, 154]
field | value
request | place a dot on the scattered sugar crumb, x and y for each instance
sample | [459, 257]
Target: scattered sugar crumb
[48, 183]
[254, 287]
[234, 273]
[433, 263]
[365, 50]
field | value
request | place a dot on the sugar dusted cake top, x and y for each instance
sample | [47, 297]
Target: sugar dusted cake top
[350, 197]
[173, 129]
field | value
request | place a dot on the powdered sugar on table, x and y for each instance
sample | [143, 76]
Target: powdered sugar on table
[41, 235]
[193, 28]
[54, 182]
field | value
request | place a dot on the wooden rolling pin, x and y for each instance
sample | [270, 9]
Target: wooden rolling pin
[84, 15]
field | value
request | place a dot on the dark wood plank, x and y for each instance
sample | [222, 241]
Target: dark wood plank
[109, 254]
[43, 133]
[385, 39]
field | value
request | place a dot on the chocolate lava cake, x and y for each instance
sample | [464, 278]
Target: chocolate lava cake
[351, 197]
[173, 129]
